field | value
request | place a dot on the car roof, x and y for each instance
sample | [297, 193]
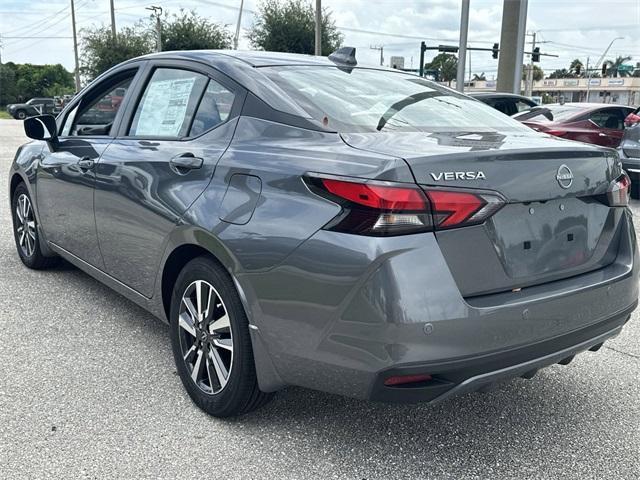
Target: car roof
[587, 106]
[497, 95]
[251, 57]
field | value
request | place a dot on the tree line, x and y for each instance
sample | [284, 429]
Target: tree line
[279, 25]
[287, 26]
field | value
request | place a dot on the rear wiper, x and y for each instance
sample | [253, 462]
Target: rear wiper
[396, 107]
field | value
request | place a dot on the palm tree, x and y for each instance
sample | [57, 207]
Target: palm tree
[612, 66]
[480, 77]
[576, 67]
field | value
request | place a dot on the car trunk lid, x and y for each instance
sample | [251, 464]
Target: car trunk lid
[553, 225]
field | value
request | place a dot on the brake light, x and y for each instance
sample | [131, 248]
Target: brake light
[631, 120]
[556, 132]
[384, 208]
[618, 193]
[378, 196]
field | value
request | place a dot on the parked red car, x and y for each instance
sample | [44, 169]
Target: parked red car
[597, 123]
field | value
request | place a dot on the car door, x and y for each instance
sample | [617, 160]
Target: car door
[66, 173]
[162, 160]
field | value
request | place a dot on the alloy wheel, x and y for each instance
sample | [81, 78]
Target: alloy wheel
[25, 225]
[206, 339]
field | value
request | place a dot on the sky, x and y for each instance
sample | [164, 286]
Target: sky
[568, 28]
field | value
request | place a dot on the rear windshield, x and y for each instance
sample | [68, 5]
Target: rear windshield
[560, 113]
[367, 100]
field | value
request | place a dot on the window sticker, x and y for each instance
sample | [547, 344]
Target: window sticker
[164, 107]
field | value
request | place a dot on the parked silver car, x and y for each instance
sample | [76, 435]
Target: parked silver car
[305, 221]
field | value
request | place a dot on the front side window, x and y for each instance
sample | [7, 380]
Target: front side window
[168, 104]
[96, 115]
[365, 100]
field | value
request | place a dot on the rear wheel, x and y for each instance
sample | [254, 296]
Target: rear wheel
[635, 186]
[25, 231]
[211, 342]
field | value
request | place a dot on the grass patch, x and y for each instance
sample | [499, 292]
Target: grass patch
[4, 115]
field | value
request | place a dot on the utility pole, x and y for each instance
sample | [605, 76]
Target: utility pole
[462, 52]
[237, 35]
[75, 46]
[514, 19]
[318, 51]
[423, 48]
[157, 12]
[528, 88]
[381, 48]
[113, 20]
[598, 64]
[586, 75]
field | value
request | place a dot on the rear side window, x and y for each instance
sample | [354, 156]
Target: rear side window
[168, 104]
[214, 108]
[610, 118]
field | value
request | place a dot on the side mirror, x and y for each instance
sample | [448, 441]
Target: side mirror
[41, 127]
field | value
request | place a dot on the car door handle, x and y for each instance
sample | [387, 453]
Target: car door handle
[86, 163]
[186, 161]
[600, 134]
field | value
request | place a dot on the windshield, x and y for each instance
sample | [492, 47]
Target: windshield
[364, 100]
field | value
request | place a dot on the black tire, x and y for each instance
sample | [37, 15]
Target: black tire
[240, 394]
[21, 114]
[32, 255]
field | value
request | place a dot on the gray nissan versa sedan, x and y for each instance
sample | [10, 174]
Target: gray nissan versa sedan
[301, 220]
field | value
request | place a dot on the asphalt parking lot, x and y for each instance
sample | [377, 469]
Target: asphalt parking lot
[88, 389]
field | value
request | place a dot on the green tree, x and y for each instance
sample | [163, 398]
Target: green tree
[576, 66]
[289, 26]
[8, 88]
[562, 73]
[480, 77]
[20, 82]
[188, 31]
[613, 65]
[100, 51]
[538, 73]
[446, 65]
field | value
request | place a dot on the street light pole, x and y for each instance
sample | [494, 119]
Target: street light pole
[462, 48]
[598, 64]
[318, 48]
[113, 20]
[75, 47]
[157, 12]
[237, 35]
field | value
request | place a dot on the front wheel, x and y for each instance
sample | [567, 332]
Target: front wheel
[25, 231]
[21, 114]
[211, 342]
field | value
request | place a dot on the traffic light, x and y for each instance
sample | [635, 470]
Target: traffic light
[535, 56]
[495, 50]
[604, 69]
[448, 48]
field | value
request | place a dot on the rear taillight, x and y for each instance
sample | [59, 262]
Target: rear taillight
[631, 120]
[618, 193]
[555, 132]
[453, 209]
[384, 208]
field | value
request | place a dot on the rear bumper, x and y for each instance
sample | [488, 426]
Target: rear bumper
[480, 372]
[343, 313]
